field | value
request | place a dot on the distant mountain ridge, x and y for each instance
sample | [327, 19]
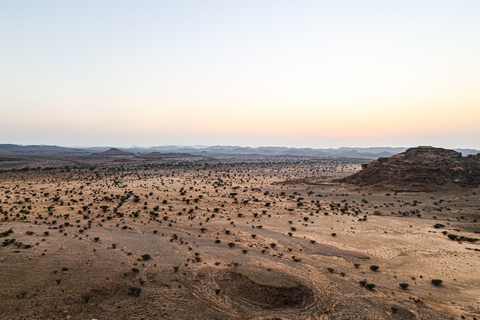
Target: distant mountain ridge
[212, 151]
[365, 153]
[39, 150]
[343, 152]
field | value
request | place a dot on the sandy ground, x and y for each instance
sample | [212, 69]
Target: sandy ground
[228, 239]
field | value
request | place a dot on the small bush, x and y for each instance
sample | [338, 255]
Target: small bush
[404, 285]
[135, 291]
[87, 297]
[452, 236]
[370, 286]
[437, 282]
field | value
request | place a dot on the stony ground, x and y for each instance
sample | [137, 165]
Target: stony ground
[232, 239]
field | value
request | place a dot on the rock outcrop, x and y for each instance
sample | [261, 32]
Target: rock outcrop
[420, 169]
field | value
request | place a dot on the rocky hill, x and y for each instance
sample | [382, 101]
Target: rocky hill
[115, 152]
[111, 153]
[420, 169]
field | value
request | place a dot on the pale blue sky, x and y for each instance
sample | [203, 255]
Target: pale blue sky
[291, 73]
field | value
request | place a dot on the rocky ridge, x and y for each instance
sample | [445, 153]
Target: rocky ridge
[420, 169]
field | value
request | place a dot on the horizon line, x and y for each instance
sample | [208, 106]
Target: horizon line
[225, 145]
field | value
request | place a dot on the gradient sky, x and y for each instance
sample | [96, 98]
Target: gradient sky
[252, 73]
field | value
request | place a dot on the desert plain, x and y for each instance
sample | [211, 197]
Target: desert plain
[233, 238]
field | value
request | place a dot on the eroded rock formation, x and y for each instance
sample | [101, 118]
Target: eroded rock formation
[420, 169]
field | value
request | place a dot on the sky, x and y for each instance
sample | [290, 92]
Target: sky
[250, 73]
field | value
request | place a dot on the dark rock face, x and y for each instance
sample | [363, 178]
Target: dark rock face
[420, 169]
